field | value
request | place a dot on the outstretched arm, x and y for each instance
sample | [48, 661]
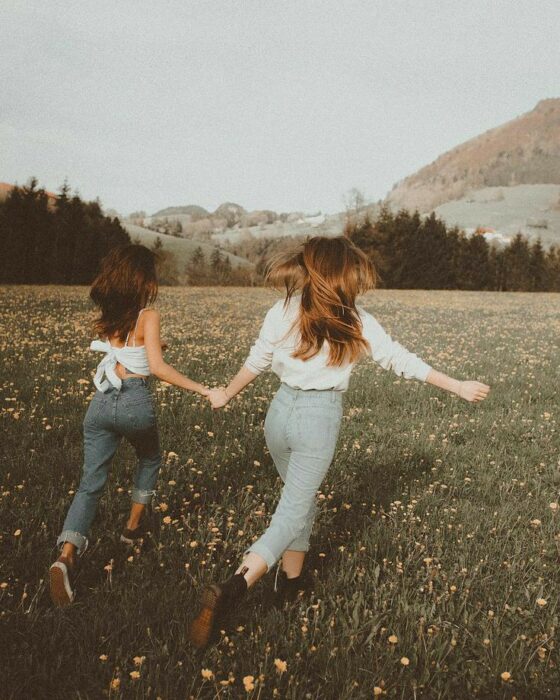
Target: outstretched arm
[158, 366]
[391, 355]
[468, 390]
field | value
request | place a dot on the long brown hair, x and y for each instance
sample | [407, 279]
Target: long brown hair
[329, 273]
[126, 283]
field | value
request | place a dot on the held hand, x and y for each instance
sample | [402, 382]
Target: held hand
[204, 391]
[218, 397]
[473, 391]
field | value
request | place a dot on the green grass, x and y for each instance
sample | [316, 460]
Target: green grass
[424, 531]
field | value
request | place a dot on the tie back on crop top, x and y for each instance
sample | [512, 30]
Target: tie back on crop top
[131, 357]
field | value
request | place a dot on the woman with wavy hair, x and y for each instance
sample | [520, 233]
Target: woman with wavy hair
[129, 335]
[311, 340]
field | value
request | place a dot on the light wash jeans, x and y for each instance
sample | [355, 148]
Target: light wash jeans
[301, 431]
[129, 413]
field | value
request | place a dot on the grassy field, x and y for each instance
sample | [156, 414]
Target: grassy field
[435, 560]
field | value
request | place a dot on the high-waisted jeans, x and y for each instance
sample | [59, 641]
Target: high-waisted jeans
[301, 431]
[128, 413]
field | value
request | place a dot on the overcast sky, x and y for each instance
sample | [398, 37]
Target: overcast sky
[272, 104]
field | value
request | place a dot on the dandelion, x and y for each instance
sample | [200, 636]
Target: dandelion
[281, 666]
[393, 639]
[207, 674]
[17, 533]
[505, 676]
[115, 683]
[248, 683]
[553, 506]
[103, 657]
[541, 602]
[139, 660]
[167, 520]
[535, 523]
[405, 661]
[377, 691]
[135, 675]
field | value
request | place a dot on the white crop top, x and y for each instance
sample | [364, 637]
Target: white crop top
[131, 357]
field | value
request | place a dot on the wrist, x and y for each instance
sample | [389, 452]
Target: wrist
[227, 393]
[458, 388]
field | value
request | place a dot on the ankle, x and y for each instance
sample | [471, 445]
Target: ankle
[235, 587]
[69, 559]
[291, 576]
[68, 553]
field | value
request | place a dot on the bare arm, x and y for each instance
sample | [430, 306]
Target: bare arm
[158, 366]
[469, 390]
[220, 397]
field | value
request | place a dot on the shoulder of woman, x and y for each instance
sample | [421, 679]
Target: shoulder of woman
[369, 322]
[149, 316]
[276, 309]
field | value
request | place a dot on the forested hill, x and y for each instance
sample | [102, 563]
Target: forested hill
[48, 239]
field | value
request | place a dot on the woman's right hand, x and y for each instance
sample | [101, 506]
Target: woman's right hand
[473, 391]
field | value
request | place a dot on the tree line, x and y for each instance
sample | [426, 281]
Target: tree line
[414, 252]
[53, 240]
[62, 239]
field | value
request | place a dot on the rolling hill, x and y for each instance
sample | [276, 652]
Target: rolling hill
[181, 248]
[533, 210]
[524, 151]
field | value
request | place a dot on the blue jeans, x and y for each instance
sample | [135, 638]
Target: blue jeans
[301, 431]
[129, 413]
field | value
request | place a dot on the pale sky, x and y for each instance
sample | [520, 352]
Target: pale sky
[284, 105]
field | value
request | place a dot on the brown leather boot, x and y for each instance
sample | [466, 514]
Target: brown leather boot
[216, 601]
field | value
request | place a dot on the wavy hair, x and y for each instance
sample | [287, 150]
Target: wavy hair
[329, 273]
[126, 283]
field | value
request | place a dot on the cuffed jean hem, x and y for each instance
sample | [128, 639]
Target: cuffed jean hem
[74, 538]
[297, 547]
[264, 553]
[142, 497]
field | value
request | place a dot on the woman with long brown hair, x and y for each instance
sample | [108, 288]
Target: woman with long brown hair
[311, 340]
[129, 335]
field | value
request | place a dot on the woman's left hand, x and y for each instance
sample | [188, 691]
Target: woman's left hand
[218, 397]
[473, 391]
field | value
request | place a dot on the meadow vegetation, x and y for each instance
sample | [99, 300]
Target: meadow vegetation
[434, 561]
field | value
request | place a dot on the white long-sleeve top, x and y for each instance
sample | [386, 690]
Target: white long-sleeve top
[275, 346]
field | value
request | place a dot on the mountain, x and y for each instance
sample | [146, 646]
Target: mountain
[191, 210]
[524, 151]
[231, 222]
